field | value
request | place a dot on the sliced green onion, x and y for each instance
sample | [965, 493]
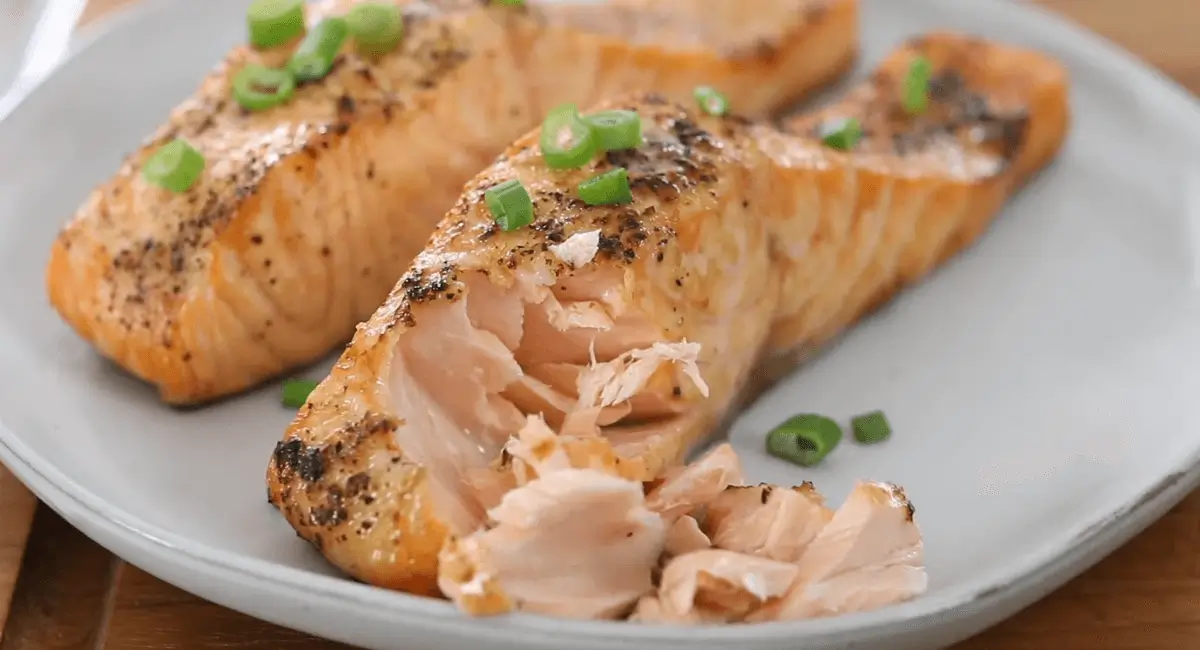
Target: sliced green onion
[176, 166]
[609, 188]
[841, 134]
[510, 3]
[258, 88]
[870, 428]
[274, 22]
[510, 205]
[377, 27]
[296, 392]
[711, 100]
[616, 130]
[805, 439]
[567, 141]
[916, 85]
[313, 59]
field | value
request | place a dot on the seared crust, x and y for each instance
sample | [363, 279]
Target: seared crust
[307, 213]
[997, 115]
[358, 488]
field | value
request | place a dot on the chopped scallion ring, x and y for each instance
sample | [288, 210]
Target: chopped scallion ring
[841, 134]
[711, 100]
[616, 130]
[274, 22]
[314, 57]
[510, 205]
[377, 27]
[258, 88]
[296, 392]
[176, 166]
[510, 3]
[870, 428]
[567, 141]
[916, 85]
[805, 439]
[609, 188]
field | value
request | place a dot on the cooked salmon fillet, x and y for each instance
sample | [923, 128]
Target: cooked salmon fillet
[307, 213]
[635, 328]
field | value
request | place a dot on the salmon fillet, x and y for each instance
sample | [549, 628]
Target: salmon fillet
[635, 328]
[307, 213]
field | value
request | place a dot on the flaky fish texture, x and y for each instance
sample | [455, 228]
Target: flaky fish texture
[867, 555]
[634, 329]
[306, 214]
[590, 543]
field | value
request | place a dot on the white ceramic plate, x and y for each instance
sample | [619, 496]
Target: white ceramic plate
[1042, 386]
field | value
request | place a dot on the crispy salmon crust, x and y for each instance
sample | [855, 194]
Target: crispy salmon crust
[640, 325]
[307, 213]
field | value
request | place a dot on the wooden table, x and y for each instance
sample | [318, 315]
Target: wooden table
[60, 591]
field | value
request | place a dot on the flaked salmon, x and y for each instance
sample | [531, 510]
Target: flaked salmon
[307, 213]
[685, 536]
[717, 586]
[743, 246]
[778, 523]
[696, 485]
[869, 554]
[529, 556]
[590, 543]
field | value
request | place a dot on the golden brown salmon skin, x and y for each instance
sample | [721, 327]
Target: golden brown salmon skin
[633, 329]
[307, 213]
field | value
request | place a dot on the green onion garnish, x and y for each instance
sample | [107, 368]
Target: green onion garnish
[176, 166]
[567, 141]
[258, 88]
[609, 188]
[377, 27]
[916, 85]
[804, 439]
[314, 57]
[841, 134]
[274, 22]
[296, 392]
[510, 205]
[616, 130]
[870, 428]
[510, 3]
[711, 100]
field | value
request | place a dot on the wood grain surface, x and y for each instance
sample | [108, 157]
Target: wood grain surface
[59, 591]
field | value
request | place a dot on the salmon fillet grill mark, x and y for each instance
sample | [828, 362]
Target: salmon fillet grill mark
[307, 213]
[632, 329]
